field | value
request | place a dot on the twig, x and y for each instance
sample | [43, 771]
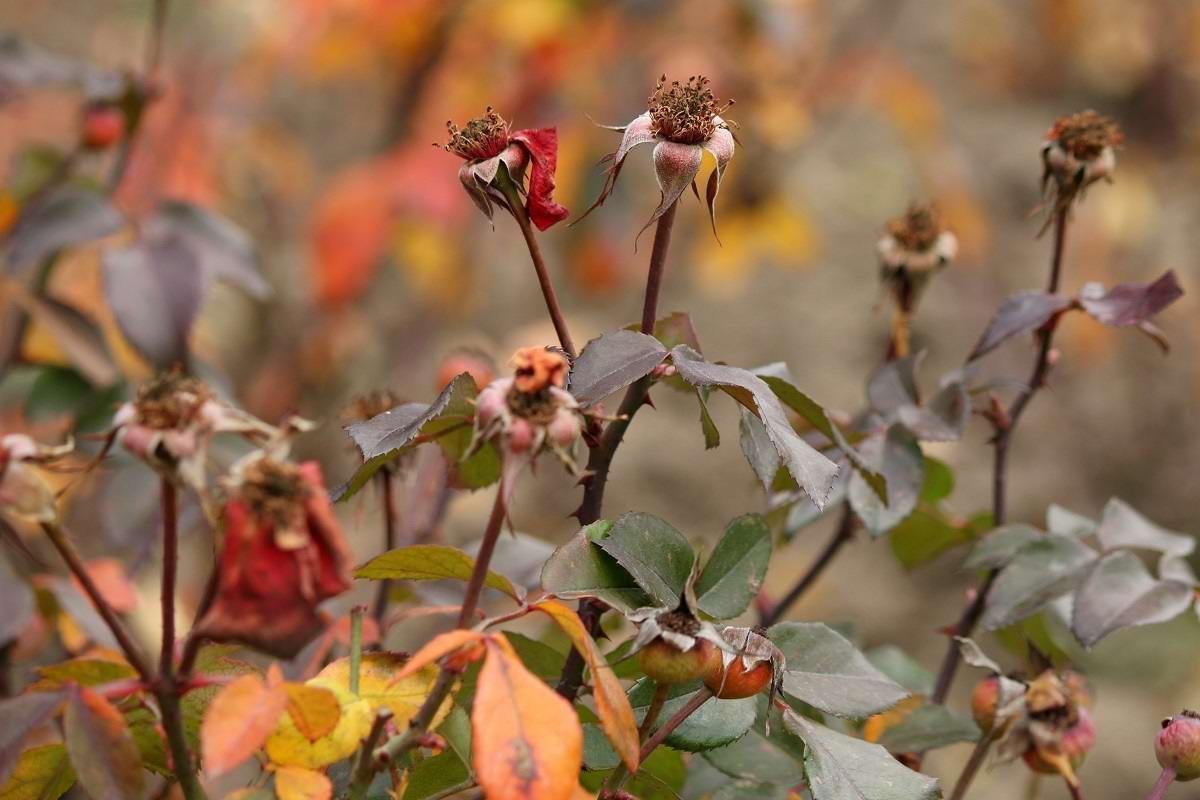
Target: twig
[978, 756]
[698, 699]
[170, 521]
[356, 615]
[843, 534]
[600, 455]
[971, 615]
[1076, 790]
[387, 490]
[364, 769]
[513, 195]
[140, 92]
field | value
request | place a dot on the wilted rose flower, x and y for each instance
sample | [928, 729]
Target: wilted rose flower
[1052, 730]
[684, 121]
[171, 421]
[916, 242]
[24, 493]
[283, 554]
[487, 144]
[1079, 150]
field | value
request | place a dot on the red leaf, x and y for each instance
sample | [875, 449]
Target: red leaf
[542, 146]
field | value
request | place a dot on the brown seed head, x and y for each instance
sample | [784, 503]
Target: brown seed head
[171, 400]
[918, 228]
[482, 137]
[274, 490]
[1086, 134]
[679, 622]
[684, 113]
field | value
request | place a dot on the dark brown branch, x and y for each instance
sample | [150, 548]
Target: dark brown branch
[843, 534]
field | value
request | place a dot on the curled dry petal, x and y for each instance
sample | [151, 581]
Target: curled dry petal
[542, 147]
[283, 554]
[720, 145]
[24, 493]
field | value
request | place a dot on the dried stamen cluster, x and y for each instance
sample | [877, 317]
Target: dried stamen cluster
[687, 113]
[482, 137]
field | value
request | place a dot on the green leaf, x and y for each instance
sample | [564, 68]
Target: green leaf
[433, 775]
[655, 554]
[827, 672]
[579, 568]
[939, 480]
[85, 672]
[152, 747]
[759, 758]
[944, 417]
[758, 448]
[1119, 592]
[898, 457]
[714, 724]
[1122, 526]
[1040, 572]
[612, 362]
[101, 748]
[430, 562]
[1001, 546]
[902, 668]
[41, 773]
[928, 728]
[734, 573]
[813, 472]
[1067, 523]
[712, 436]
[840, 767]
[925, 534]
[894, 385]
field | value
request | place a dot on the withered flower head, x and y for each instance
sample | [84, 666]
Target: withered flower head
[487, 145]
[1078, 150]
[1052, 732]
[917, 241]
[684, 121]
[283, 554]
[24, 493]
[529, 413]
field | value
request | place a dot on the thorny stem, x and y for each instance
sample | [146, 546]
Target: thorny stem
[511, 193]
[1160, 786]
[181, 757]
[170, 521]
[387, 490]
[75, 564]
[381, 757]
[978, 756]
[698, 699]
[970, 616]
[843, 534]
[600, 456]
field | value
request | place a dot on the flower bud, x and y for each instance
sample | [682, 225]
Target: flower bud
[491, 402]
[1177, 745]
[984, 699]
[565, 428]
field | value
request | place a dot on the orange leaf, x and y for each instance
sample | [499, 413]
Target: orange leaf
[527, 742]
[100, 747]
[238, 721]
[298, 783]
[315, 710]
[441, 645]
[109, 576]
[612, 705]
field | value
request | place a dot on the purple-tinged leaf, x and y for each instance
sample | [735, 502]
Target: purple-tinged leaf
[943, 418]
[16, 598]
[758, 448]
[612, 362]
[814, 473]
[224, 251]
[1121, 526]
[66, 217]
[101, 747]
[22, 715]
[1020, 313]
[1129, 304]
[894, 385]
[78, 336]
[825, 670]
[1119, 592]
[657, 556]
[1067, 523]
[383, 436]
[1001, 546]
[579, 568]
[841, 767]
[155, 287]
[896, 455]
[1040, 572]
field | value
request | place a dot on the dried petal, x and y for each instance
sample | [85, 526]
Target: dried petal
[542, 146]
[721, 146]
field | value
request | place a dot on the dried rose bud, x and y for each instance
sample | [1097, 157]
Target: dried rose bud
[684, 121]
[1177, 746]
[487, 145]
[24, 493]
[753, 663]
[1065, 753]
[916, 242]
[283, 554]
[673, 646]
[475, 363]
[1079, 150]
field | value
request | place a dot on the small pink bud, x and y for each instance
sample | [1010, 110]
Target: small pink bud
[139, 440]
[490, 402]
[1177, 745]
[520, 435]
[565, 428]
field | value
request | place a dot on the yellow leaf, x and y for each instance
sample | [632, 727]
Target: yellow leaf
[876, 726]
[238, 721]
[377, 684]
[287, 746]
[314, 709]
[41, 773]
[297, 783]
[441, 645]
[526, 740]
[612, 705]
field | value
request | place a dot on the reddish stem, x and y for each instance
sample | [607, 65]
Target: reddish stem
[1165, 779]
[170, 520]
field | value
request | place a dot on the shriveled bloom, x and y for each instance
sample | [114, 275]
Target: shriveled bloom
[530, 413]
[24, 493]
[684, 121]
[1079, 150]
[1053, 730]
[916, 243]
[487, 145]
[282, 555]
[673, 646]
[171, 421]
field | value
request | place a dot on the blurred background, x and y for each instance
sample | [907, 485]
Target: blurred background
[310, 123]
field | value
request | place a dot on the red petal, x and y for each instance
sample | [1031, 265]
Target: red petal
[542, 145]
